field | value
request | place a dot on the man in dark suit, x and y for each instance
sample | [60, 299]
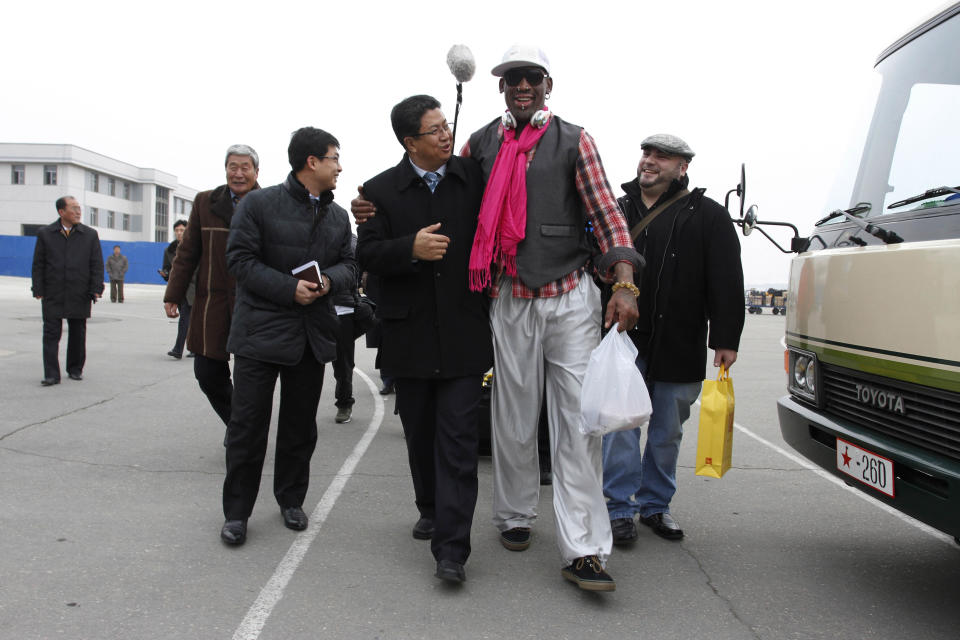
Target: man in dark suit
[435, 332]
[67, 278]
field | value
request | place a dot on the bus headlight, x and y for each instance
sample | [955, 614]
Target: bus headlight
[802, 374]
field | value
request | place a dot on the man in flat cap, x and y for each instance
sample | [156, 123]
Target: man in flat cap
[693, 279]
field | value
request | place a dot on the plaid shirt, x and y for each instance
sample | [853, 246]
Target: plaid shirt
[609, 225]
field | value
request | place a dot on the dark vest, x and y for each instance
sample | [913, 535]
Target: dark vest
[555, 243]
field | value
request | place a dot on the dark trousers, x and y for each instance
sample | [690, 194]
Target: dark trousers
[76, 345]
[440, 424]
[253, 382]
[182, 327]
[214, 378]
[116, 290]
[343, 365]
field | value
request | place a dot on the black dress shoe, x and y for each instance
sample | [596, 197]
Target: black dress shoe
[294, 518]
[387, 389]
[663, 525]
[234, 532]
[174, 354]
[75, 376]
[624, 531]
[451, 571]
[49, 382]
[423, 530]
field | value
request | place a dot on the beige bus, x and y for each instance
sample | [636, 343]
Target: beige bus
[873, 306]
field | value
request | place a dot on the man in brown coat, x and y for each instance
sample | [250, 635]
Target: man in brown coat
[203, 251]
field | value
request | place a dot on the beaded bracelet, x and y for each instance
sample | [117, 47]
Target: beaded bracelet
[632, 288]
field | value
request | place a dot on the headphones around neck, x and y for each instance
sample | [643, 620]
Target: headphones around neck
[538, 120]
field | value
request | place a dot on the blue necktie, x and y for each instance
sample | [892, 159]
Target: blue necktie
[431, 179]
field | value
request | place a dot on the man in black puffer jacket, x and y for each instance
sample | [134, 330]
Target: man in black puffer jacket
[283, 326]
[693, 279]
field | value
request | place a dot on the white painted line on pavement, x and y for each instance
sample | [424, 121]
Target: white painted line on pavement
[826, 475]
[270, 595]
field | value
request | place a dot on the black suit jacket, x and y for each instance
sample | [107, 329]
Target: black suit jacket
[432, 325]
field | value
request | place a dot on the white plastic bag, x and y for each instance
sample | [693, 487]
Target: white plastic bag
[614, 396]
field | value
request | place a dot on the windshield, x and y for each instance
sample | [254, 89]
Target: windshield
[914, 140]
[927, 154]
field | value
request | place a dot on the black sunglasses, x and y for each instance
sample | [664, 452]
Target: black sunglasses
[514, 77]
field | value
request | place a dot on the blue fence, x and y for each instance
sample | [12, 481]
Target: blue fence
[144, 258]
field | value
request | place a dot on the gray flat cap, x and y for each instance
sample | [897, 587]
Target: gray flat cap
[669, 144]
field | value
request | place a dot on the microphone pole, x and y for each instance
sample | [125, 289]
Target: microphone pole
[456, 115]
[462, 66]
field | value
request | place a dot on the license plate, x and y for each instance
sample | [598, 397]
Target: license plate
[867, 467]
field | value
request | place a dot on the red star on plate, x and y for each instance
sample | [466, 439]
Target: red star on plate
[846, 458]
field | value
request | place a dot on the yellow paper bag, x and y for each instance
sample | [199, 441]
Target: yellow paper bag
[715, 440]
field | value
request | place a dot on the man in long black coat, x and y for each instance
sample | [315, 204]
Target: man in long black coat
[67, 278]
[435, 332]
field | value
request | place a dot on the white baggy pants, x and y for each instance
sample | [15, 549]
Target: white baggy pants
[537, 342]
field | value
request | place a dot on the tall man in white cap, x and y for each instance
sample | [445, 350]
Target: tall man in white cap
[545, 183]
[693, 278]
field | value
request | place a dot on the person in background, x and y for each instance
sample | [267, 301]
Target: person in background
[185, 304]
[116, 270]
[345, 304]
[67, 276]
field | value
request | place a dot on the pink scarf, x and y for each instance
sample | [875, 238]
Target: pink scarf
[502, 222]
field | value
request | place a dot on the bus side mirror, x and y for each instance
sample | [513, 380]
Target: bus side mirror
[749, 220]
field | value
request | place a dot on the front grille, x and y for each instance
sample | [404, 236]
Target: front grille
[931, 418]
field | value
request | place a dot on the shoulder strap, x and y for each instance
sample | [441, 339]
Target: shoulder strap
[647, 219]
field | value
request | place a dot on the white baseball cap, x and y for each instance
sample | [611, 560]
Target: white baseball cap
[522, 55]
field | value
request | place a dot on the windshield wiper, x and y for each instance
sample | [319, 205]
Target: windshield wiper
[852, 211]
[888, 237]
[929, 193]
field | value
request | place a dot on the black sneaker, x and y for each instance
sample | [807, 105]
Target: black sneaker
[624, 531]
[516, 539]
[588, 574]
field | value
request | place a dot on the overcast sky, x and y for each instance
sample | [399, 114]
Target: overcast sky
[170, 85]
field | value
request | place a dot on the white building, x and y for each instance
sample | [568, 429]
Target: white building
[122, 201]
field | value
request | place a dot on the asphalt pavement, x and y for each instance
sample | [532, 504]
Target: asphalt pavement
[110, 516]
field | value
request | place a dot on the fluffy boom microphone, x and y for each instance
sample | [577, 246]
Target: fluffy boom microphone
[461, 62]
[462, 66]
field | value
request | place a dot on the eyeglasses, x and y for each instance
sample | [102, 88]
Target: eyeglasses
[334, 158]
[514, 77]
[445, 128]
